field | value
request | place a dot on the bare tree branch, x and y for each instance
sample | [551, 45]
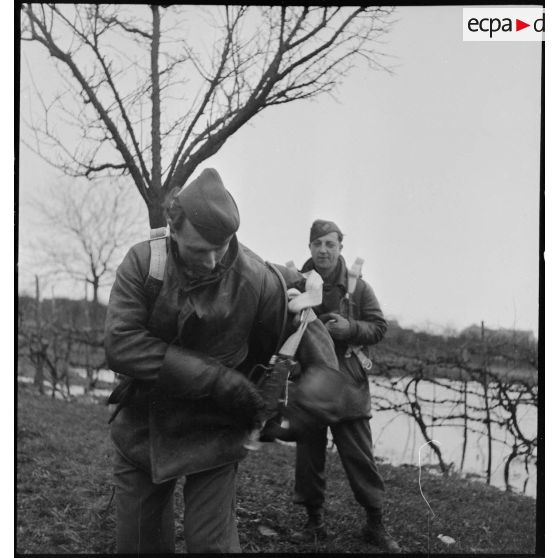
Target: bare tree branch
[204, 71]
[88, 229]
[41, 34]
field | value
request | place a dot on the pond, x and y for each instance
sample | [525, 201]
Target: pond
[398, 438]
[105, 376]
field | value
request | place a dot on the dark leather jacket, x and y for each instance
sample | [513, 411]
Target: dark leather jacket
[367, 323]
[170, 345]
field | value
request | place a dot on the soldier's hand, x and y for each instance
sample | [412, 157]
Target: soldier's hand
[237, 395]
[339, 327]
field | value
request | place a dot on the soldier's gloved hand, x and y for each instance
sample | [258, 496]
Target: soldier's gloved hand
[237, 395]
[339, 327]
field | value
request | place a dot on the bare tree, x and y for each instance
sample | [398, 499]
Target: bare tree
[86, 231]
[144, 95]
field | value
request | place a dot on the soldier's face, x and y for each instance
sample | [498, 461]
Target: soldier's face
[198, 256]
[325, 252]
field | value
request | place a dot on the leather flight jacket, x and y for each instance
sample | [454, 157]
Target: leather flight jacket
[171, 348]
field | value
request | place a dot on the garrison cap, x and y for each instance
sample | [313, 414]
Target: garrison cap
[210, 207]
[320, 227]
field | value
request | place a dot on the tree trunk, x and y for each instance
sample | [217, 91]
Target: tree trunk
[156, 192]
[156, 215]
[416, 413]
[95, 285]
[38, 380]
[94, 317]
[155, 102]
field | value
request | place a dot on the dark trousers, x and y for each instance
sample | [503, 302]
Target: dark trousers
[145, 513]
[353, 439]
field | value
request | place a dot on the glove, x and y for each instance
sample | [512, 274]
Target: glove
[339, 327]
[238, 396]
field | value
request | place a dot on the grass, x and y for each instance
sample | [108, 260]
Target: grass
[64, 489]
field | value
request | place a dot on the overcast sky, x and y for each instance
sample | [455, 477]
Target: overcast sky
[432, 173]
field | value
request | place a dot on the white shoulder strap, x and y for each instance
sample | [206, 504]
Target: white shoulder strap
[158, 244]
[354, 273]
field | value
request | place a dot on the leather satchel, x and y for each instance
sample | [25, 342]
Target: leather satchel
[321, 396]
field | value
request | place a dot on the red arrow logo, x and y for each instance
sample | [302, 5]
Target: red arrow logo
[519, 25]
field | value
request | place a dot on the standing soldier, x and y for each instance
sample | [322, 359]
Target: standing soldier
[185, 324]
[354, 320]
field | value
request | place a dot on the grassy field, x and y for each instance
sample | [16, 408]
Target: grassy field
[64, 490]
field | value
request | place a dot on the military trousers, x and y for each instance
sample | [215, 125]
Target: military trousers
[145, 511]
[353, 439]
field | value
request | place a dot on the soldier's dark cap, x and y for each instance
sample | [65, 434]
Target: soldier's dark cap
[210, 207]
[320, 227]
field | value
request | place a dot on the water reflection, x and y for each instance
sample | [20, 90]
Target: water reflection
[107, 377]
[397, 437]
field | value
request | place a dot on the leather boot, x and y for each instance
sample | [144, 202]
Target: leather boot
[314, 529]
[375, 532]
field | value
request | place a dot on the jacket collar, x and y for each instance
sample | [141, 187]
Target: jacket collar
[179, 278]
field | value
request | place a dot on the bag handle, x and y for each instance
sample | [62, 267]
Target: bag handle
[283, 333]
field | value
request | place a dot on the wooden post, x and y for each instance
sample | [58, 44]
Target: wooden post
[88, 373]
[486, 405]
[465, 424]
[38, 380]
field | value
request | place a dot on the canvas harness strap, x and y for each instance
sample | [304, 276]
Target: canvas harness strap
[353, 274]
[158, 243]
